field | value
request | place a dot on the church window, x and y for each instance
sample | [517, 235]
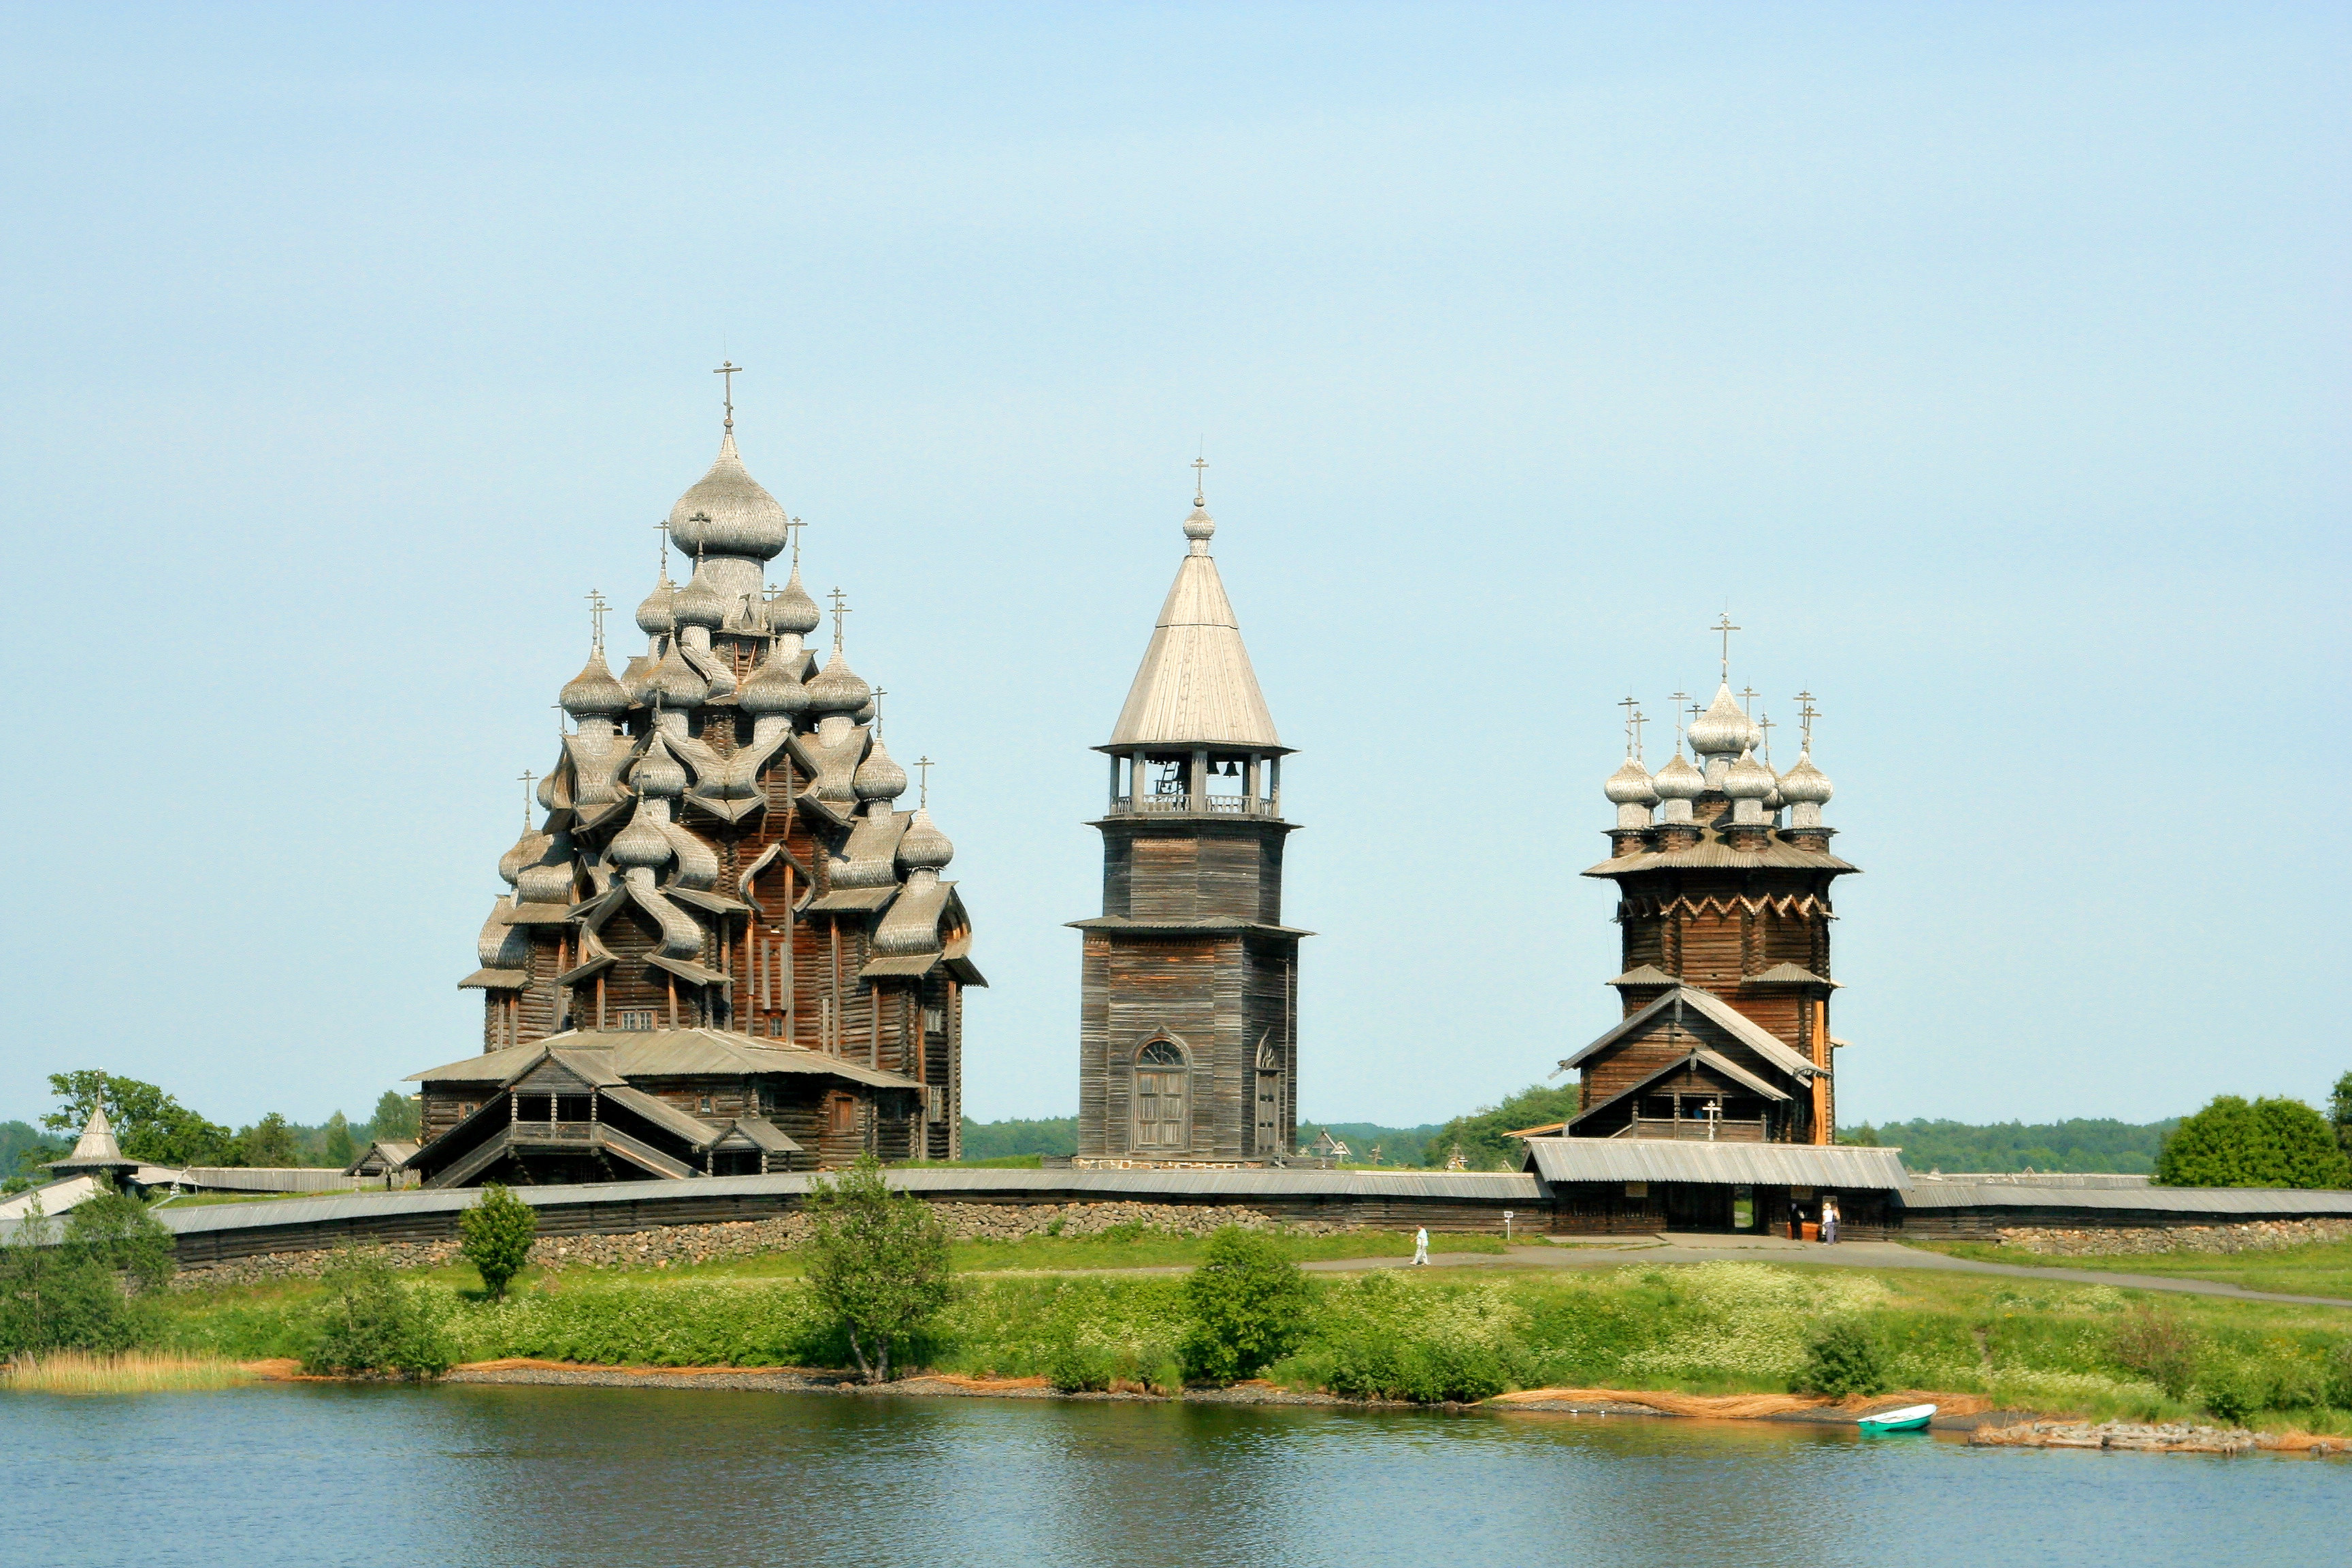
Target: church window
[776, 1026]
[845, 1114]
[637, 1018]
[705, 1105]
[1161, 1097]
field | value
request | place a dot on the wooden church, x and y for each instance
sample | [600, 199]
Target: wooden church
[1722, 871]
[1188, 1032]
[724, 948]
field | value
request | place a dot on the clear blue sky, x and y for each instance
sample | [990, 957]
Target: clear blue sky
[1986, 362]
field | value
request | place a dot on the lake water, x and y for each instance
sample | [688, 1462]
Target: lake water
[322, 1475]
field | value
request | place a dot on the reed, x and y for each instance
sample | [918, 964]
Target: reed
[131, 1372]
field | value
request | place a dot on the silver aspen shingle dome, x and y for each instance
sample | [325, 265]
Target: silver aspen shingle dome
[1806, 784]
[774, 688]
[642, 843]
[1678, 780]
[836, 689]
[1630, 785]
[677, 683]
[1724, 731]
[527, 850]
[593, 693]
[658, 773]
[698, 603]
[1748, 779]
[923, 847]
[655, 616]
[792, 612]
[878, 777]
[727, 513]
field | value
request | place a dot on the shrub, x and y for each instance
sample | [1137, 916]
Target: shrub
[370, 1323]
[71, 1296]
[878, 1264]
[1382, 1337]
[2339, 1375]
[2268, 1143]
[2160, 1348]
[2232, 1388]
[116, 1233]
[1246, 1301]
[496, 1236]
[1840, 1360]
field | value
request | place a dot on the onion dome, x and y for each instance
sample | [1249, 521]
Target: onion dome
[593, 693]
[1630, 785]
[1199, 526]
[1724, 731]
[677, 683]
[836, 689]
[526, 851]
[727, 512]
[774, 688]
[1679, 780]
[1748, 779]
[642, 843]
[878, 777]
[1805, 785]
[549, 881]
[698, 603]
[659, 771]
[655, 616]
[792, 613]
[923, 847]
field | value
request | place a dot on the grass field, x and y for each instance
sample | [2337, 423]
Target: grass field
[1073, 1311]
[131, 1372]
[2323, 1269]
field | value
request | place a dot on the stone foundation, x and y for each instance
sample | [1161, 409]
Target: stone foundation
[2256, 1235]
[672, 1245]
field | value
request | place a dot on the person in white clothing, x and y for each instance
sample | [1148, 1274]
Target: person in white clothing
[1829, 1220]
[1421, 1245]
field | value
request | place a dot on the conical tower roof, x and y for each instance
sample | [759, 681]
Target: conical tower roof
[1195, 686]
[96, 1149]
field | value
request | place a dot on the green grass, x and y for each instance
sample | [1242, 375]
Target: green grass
[130, 1372]
[2320, 1269]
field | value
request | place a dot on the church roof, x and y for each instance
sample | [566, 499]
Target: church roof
[96, 1147]
[661, 1053]
[1195, 684]
[1730, 1019]
[1711, 853]
[1720, 1065]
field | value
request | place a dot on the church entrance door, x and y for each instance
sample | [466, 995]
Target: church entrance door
[1162, 1122]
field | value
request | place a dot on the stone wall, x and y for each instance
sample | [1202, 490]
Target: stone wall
[672, 1245]
[2254, 1236]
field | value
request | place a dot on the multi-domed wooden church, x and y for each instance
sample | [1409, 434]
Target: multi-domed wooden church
[724, 948]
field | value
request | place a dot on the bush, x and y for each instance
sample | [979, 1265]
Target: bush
[2160, 1348]
[2339, 1375]
[496, 1236]
[70, 1295]
[1382, 1337]
[117, 1234]
[2232, 1388]
[1246, 1301]
[1840, 1360]
[370, 1323]
[2267, 1143]
[878, 1264]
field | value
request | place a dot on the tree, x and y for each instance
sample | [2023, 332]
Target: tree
[69, 1295]
[1840, 1360]
[495, 1235]
[1480, 1133]
[149, 1123]
[877, 1263]
[2267, 1143]
[1246, 1302]
[370, 1322]
[114, 1232]
[2339, 1111]
[269, 1143]
[338, 1145]
[394, 1118]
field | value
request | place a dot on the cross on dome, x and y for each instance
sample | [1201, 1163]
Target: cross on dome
[728, 369]
[527, 780]
[840, 608]
[923, 766]
[1726, 628]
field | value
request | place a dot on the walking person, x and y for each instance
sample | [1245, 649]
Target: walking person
[1420, 1246]
[1829, 1220]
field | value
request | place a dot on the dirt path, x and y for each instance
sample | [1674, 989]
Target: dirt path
[1672, 1247]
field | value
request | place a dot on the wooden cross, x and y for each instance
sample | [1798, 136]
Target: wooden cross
[792, 536]
[879, 693]
[1632, 712]
[839, 610]
[1808, 714]
[596, 608]
[1200, 477]
[923, 766]
[1726, 628]
[1680, 698]
[729, 368]
[529, 778]
[1640, 719]
[664, 526]
[1747, 700]
[1764, 722]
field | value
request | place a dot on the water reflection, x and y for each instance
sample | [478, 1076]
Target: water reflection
[322, 1475]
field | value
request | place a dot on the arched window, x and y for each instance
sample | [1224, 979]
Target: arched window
[1162, 1097]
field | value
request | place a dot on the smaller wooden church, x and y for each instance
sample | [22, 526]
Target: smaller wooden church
[1723, 870]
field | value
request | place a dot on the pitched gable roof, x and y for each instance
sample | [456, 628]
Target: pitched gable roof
[1733, 1022]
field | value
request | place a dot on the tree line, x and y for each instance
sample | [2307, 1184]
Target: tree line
[150, 1124]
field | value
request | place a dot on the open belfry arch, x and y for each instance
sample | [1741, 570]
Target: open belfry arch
[1188, 1032]
[1723, 869]
[723, 948]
